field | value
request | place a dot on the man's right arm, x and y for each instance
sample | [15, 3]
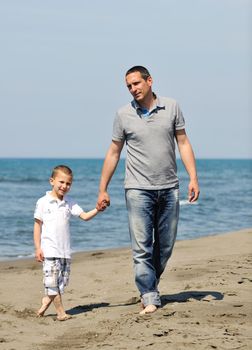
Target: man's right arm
[109, 167]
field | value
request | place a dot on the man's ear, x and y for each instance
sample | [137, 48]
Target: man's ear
[149, 81]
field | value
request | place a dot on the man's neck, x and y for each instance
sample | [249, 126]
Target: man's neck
[148, 102]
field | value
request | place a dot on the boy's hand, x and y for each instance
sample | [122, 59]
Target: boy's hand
[39, 255]
[103, 201]
[102, 206]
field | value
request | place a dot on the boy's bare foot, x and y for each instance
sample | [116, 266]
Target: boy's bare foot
[64, 317]
[46, 302]
[149, 309]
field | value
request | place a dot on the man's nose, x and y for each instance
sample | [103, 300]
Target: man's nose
[133, 89]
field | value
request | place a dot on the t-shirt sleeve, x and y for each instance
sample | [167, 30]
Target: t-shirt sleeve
[118, 133]
[179, 118]
[76, 210]
[38, 212]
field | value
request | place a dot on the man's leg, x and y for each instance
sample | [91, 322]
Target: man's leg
[141, 205]
[165, 231]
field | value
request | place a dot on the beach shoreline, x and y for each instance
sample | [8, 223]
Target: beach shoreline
[27, 260]
[205, 290]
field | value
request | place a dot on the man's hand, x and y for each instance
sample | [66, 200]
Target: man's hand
[103, 201]
[193, 191]
[102, 206]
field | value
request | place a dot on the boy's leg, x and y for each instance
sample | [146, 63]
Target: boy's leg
[49, 278]
[57, 301]
[63, 266]
[46, 302]
[56, 276]
[61, 314]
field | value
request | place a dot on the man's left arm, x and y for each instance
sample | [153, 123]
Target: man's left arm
[188, 159]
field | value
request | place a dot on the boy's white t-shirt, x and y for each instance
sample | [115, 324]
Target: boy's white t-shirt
[55, 216]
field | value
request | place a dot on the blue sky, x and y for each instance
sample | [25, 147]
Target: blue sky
[62, 67]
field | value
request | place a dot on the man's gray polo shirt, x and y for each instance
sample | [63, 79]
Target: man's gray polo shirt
[151, 159]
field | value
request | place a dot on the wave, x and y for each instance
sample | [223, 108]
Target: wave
[186, 202]
[21, 180]
[8, 256]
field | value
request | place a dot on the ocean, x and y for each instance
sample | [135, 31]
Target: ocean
[225, 202]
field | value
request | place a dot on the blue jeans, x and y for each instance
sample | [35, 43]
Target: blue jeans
[153, 220]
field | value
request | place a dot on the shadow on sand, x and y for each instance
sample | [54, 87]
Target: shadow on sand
[85, 308]
[181, 297]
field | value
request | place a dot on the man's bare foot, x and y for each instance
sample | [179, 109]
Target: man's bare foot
[149, 309]
[64, 317]
[46, 302]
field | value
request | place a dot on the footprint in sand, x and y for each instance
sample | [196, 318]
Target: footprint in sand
[25, 313]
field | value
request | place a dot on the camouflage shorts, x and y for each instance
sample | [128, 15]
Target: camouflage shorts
[56, 275]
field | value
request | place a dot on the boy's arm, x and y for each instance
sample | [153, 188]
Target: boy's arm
[89, 214]
[37, 240]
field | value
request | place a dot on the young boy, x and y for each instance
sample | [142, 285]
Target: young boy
[52, 237]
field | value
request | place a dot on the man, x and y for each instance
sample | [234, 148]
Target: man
[149, 125]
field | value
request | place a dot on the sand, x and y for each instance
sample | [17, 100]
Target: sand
[206, 301]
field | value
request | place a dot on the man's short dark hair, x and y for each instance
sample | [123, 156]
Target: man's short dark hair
[142, 70]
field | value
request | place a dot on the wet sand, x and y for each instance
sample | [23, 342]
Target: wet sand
[206, 301]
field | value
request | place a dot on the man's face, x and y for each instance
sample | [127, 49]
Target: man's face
[138, 87]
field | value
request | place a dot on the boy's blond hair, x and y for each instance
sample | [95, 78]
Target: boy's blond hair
[64, 168]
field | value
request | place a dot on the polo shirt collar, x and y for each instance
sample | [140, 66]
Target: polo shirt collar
[157, 106]
[52, 199]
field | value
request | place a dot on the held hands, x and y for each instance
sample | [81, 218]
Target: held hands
[193, 191]
[103, 201]
[102, 206]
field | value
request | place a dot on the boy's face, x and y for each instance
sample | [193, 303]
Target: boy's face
[61, 184]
